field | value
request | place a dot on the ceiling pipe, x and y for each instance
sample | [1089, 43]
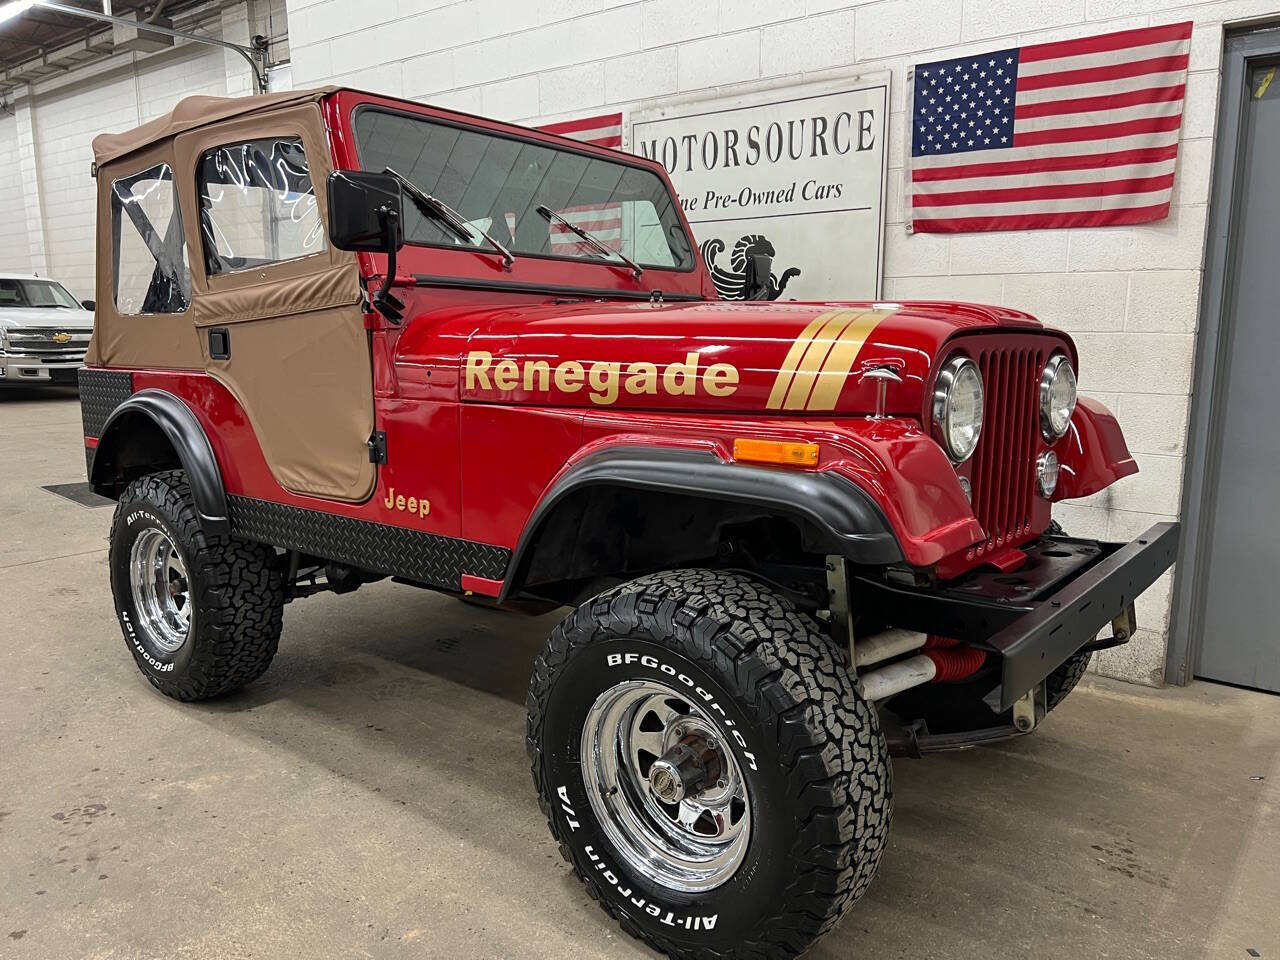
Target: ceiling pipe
[250, 54]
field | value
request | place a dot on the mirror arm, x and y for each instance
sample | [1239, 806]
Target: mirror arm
[389, 305]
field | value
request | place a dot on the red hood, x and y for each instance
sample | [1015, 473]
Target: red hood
[747, 357]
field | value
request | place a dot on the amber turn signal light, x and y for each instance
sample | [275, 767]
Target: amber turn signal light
[776, 451]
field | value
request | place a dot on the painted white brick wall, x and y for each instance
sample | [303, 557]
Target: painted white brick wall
[15, 253]
[66, 122]
[47, 196]
[66, 115]
[28, 172]
[1128, 294]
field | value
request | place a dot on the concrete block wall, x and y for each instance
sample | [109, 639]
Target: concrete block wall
[1129, 295]
[47, 196]
[68, 119]
[15, 254]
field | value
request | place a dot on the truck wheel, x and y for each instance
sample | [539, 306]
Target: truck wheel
[708, 766]
[200, 614]
[1064, 679]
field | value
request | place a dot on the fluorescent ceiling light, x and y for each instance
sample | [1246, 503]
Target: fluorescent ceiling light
[15, 8]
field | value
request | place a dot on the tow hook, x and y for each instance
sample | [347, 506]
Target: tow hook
[1024, 712]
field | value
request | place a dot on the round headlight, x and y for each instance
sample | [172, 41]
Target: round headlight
[957, 407]
[1057, 397]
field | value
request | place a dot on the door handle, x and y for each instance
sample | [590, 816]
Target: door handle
[219, 344]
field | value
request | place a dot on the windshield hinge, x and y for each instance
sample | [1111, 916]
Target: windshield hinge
[378, 447]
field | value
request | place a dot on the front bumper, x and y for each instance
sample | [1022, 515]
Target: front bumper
[1035, 618]
[31, 370]
[1056, 627]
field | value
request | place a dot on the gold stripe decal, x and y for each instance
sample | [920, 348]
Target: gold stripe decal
[818, 363]
[783, 380]
[840, 361]
[815, 358]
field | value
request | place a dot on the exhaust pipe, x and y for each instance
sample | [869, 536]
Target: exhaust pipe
[942, 659]
[885, 646]
[896, 677]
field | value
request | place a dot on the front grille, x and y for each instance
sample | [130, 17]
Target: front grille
[39, 345]
[1003, 476]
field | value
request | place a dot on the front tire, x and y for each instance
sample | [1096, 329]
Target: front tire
[786, 818]
[201, 615]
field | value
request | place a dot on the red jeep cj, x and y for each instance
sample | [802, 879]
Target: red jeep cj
[342, 337]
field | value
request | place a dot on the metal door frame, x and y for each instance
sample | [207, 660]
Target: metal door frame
[1204, 435]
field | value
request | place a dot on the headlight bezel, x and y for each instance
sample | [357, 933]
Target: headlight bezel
[1047, 473]
[957, 365]
[1048, 378]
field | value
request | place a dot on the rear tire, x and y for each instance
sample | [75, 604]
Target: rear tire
[200, 614]
[1064, 679]
[797, 817]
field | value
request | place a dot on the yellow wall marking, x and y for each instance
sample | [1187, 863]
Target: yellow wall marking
[1266, 82]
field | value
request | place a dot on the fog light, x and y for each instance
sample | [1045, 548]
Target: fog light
[967, 487]
[1047, 473]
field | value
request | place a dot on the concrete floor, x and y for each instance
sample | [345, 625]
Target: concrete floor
[370, 796]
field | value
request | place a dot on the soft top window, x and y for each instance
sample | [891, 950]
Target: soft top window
[497, 183]
[257, 205]
[149, 255]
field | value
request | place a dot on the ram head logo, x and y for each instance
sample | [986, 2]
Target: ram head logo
[750, 274]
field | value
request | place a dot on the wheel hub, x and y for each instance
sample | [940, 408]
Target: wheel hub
[161, 593]
[684, 769]
[667, 791]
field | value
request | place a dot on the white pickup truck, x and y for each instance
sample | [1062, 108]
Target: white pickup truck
[44, 330]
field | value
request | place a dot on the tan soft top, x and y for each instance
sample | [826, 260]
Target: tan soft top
[193, 112]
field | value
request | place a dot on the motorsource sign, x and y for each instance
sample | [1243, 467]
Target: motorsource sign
[795, 172]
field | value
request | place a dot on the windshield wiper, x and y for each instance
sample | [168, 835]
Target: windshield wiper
[599, 245]
[442, 213]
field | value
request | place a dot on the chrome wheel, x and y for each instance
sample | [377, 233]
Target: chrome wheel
[161, 591]
[665, 787]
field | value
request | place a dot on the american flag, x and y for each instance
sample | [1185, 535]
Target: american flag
[1076, 133]
[603, 131]
[603, 221]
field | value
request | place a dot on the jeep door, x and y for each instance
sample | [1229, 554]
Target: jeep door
[275, 306]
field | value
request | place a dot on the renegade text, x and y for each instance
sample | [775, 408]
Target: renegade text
[602, 379]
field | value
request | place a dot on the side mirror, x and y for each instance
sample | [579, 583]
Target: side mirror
[758, 274]
[89, 304]
[365, 211]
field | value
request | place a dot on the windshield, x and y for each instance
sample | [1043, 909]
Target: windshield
[497, 184]
[35, 293]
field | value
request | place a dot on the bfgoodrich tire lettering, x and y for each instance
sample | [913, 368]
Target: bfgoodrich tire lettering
[808, 745]
[235, 590]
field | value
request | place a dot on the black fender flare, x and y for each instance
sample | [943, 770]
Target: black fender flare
[184, 432]
[852, 523]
